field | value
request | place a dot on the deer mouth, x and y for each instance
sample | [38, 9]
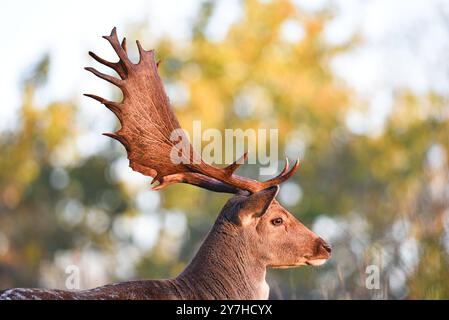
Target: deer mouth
[316, 262]
[307, 262]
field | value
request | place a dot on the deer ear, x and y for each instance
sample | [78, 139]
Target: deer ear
[257, 204]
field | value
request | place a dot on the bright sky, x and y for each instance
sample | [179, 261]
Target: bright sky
[406, 44]
[67, 30]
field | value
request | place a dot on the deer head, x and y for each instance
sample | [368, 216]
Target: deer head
[270, 234]
[276, 237]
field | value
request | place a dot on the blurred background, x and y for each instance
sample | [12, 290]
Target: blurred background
[358, 89]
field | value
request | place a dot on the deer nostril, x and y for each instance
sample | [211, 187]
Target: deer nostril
[326, 246]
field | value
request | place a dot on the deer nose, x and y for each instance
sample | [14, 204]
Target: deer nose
[326, 246]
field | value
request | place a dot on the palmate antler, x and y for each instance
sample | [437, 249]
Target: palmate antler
[147, 122]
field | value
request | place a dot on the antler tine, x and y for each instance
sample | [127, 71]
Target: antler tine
[111, 105]
[117, 66]
[146, 56]
[139, 47]
[283, 176]
[236, 164]
[119, 138]
[121, 51]
[119, 83]
[286, 166]
[112, 65]
[124, 47]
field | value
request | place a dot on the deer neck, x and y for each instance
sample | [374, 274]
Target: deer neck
[224, 267]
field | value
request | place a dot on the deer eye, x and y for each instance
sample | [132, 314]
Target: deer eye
[277, 221]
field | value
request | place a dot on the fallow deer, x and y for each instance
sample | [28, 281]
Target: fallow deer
[253, 232]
